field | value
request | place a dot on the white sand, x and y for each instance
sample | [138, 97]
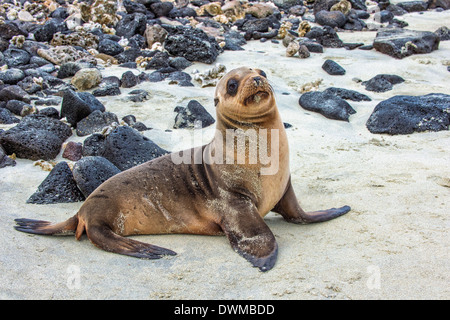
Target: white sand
[392, 245]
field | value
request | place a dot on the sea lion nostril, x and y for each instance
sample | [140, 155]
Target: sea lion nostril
[258, 80]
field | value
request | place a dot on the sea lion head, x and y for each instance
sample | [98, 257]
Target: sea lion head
[244, 95]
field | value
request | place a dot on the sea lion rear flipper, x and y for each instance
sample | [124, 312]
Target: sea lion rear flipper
[104, 238]
[47, 228]
[250, 236]
[291, 211]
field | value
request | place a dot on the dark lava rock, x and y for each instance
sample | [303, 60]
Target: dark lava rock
[354, 22]
[138, 95]
[73, 151]
[182, 12]
[333, 68]
[109, 90]
[408, 114]
[6, 117]
[396, 10]
[58, 187]
[234, 40]
[159, 60]
[125, 147]
[383, 16]
[332, 19]
[327, 104]
[4, 159]
[259, 25]
[400, 43]
[111, 80]
[16, 106]
[95, 122]
[133, 7]
[382, 82]
[193, 116]
[326, 36]
[9, 29]
[443, 33]
[161, 9]
[129, 55]
[69, 69]
[312, 46]
[15, 57]
[93, 145]
[320, 5]
[109, 47]
[131, 24]
[14, 92]
[77, 106]
[347, 94]
[358, 5]
[179, 63]
[36, 137]
[413, 6]
[12, 76]
[192, 44]
[50, 112]
[129, 80]
[90, 172]
[50, 101]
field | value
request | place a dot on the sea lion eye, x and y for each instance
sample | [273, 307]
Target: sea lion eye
[216, 101]
[232, 87]
[263, 74]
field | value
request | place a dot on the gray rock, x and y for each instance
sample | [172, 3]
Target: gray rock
[408, 114]
[58, 187]
[413, 6]
[332, 19]
[12, 76]
[14, 92]
[443, 33]
[327, 104]
[400, 43]
[6, 117]
[333, 68]
[109, 47]
[131, 24]
[90, 172]
[382, 82]
[77, 106]
[129, 80]
[191, 115]
[15, 57]
[36, 137]
[125, 147]
[347, 94]
[191, 44]
[5, 161]
[95, 122]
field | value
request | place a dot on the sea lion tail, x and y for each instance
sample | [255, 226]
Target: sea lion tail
[47, 228]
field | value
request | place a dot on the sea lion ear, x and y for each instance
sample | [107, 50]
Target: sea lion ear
[216, 101]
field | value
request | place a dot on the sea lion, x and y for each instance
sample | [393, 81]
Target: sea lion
[223, 187]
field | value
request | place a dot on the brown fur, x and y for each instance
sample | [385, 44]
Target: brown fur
[160, 197]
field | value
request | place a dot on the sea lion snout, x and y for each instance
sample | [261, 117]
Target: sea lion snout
[258, 80]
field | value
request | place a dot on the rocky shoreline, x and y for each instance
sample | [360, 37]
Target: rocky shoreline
[54, 52]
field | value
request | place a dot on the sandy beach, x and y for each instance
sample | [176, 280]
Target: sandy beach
[394, 244]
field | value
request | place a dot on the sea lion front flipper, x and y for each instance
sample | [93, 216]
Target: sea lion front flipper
[291, 211]
[249, 235]
[104, 238]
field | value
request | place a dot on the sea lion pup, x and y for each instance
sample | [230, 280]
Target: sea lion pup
[224, 187]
